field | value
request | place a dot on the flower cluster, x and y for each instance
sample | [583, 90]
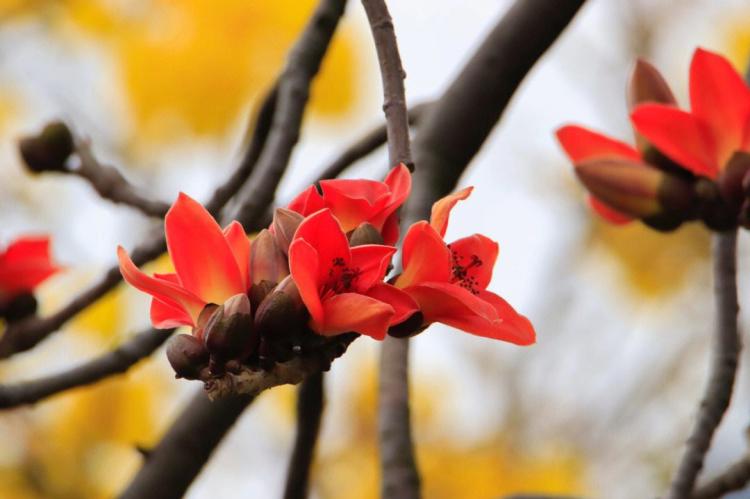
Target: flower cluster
[687, 165]
[316, 278]
[25, 263]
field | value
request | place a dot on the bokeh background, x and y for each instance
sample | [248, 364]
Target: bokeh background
[600, 406]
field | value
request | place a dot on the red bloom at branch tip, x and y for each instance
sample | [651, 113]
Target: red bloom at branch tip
[449, 281]
[354, 202]
[342, 287]
[24, 264]
[211, 265]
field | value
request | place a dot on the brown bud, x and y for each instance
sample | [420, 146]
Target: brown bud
[647, 85]
[203, 318]
[229, 332]
[285, 223]
[18, 307]
[267, 261]
[187, 355]
[49, 150]
[365, 234]
[282, 312]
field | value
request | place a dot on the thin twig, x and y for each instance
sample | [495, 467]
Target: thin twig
[111, 185]
[174, 463]
[734, 478]
[117, 361]
[399, 472]
[310, 402]
[301, 68]
[26, 334]
[726, 349]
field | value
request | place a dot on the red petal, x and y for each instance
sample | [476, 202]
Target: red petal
[323, 232]
[200, 253]
[441, 210]
[303, 264]
[609, 214]
[355, 312]
[25, 264]
[27, 248]
[161, 288]
[240, 246]
[678, 135]
[399, 183]
[307, 202]
[165, 316]
[390, 229]
[425, 256]
[513, 327]
[403, 305]
[581, 144]
[476, 256]
[719, 98]
[371, 262]
[354, 201]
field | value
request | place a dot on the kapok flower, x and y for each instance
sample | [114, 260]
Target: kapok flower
[449, 281]
[211, 266]
[354, 202]
[25, 263]
[339, 284]
[703, 139]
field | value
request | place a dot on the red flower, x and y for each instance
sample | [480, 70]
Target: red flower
[342, 287]
[354, 202]
[211, 265]
[449, 281]
[25, 264]
[718, 124]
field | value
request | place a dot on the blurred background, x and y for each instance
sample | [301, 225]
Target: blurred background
[600, 406]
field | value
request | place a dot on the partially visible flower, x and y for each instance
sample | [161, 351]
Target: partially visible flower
[211, 266]
[449, 281]
[337, 282]
[25, 263]
[354, 202]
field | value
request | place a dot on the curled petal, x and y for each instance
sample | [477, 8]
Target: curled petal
[303, 264]
[399, 183]
[512, 327]
[473, 260]
[355, 201]
[240, 246]
[200, 253]
[403, 305]
[425, 256]
[162, 289]
[323, 232]
[307, 202]
[354, 312]
[165, 316]
[581, 144]
[371, 262]
[679, 135]
[441, 210]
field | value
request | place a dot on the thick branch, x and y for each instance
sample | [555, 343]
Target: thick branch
[115, 362]
[302, 66]
[172, 465]
[111, 185]
[736, 477]
[310, 402]
[726, 349]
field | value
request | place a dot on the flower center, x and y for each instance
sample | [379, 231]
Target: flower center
[461, 266]
[341, 278]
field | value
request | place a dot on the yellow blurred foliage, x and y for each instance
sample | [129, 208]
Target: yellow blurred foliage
[195, 65]
[653, 263]
[737, 39]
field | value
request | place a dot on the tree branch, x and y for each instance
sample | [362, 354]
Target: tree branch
[736, 477]
[173, 464]
[310, 402]
[726, 349]
[117, 361]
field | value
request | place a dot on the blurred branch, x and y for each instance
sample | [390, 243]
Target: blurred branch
[734, 478]
[310, 402]
[26, 334]
[302, 66]
[177, 459]
[111, 185]
[367, 144]
[117, 361]
[398, 466]
[726, 349]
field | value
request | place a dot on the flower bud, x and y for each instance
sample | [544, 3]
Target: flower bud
[647, 85]
[282, 312]
[285, 223]
[632, 188]
[732, 178]
[187, 355]
[365, 234]
[203, 317]
[267, 262]
[229, 332]
[49, 150]
[18, 307]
